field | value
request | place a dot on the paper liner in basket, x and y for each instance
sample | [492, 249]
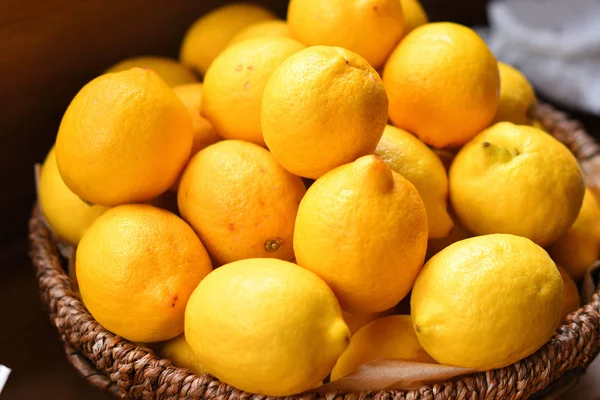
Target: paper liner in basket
[393, 374]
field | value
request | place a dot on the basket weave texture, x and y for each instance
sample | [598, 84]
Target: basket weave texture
[126, 370]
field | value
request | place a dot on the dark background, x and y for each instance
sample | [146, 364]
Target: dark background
[48, 50]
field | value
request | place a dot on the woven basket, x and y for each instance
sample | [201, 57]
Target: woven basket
[125, 370]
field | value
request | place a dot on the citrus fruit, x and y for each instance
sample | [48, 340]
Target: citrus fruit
[240, 202]
[442, 83]
[389, 337]
[503, 293]
[369, 28]
[368, 252]
[124, 138]
[235, 81]
[323, 107]
[136, 267]
[204, 132]
[269, 28]
[412, 159]
[357, 320]
[517, 98]
[579, 247]
[68, 215]
[265, 326]
[211, 33]
[172, 72]
[572, 301]
[414, 15]
[182, 355]
[502, 182]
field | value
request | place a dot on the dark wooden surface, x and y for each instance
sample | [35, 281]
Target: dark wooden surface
[48, 50]
[29, 345]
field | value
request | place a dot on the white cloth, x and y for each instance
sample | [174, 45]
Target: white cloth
[555, 43]
[4, 372]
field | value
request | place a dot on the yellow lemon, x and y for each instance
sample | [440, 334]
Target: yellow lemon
[517, 98]
[390, 337]
[136, 266]
[572, 301]
[68, 215]
[172, 72]
[414, 15]
[487, 302]
[235, 81]
[503, 182]
[323, 107]
[211, 33]
[579, 247]
[204, 132]
[442, 83]
[179, 351]
[240, 201]
[369, 28]
[412, 159]
[124, 138]
[363, 229]
[266, 326]
[357, 320]
[270, 28]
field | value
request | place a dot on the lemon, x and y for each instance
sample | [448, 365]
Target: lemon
[414, 15]
[363, 228]
[390, 337]
[235, 81]
[572, 301]
[204, 132]
[182, 355]
[442, 82]
[412, 159]
[357, 320]
[124, 138]
[136, 266]
[369, 28]
[265, 326]
[503, 182]
[172, 72]
[517, 98]
[270, 28]
[322, 107]
[487, 302]
[68, 215]
[579, 247]
[211, 33]
[240, 201]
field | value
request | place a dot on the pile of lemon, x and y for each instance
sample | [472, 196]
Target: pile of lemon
[267, 222]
